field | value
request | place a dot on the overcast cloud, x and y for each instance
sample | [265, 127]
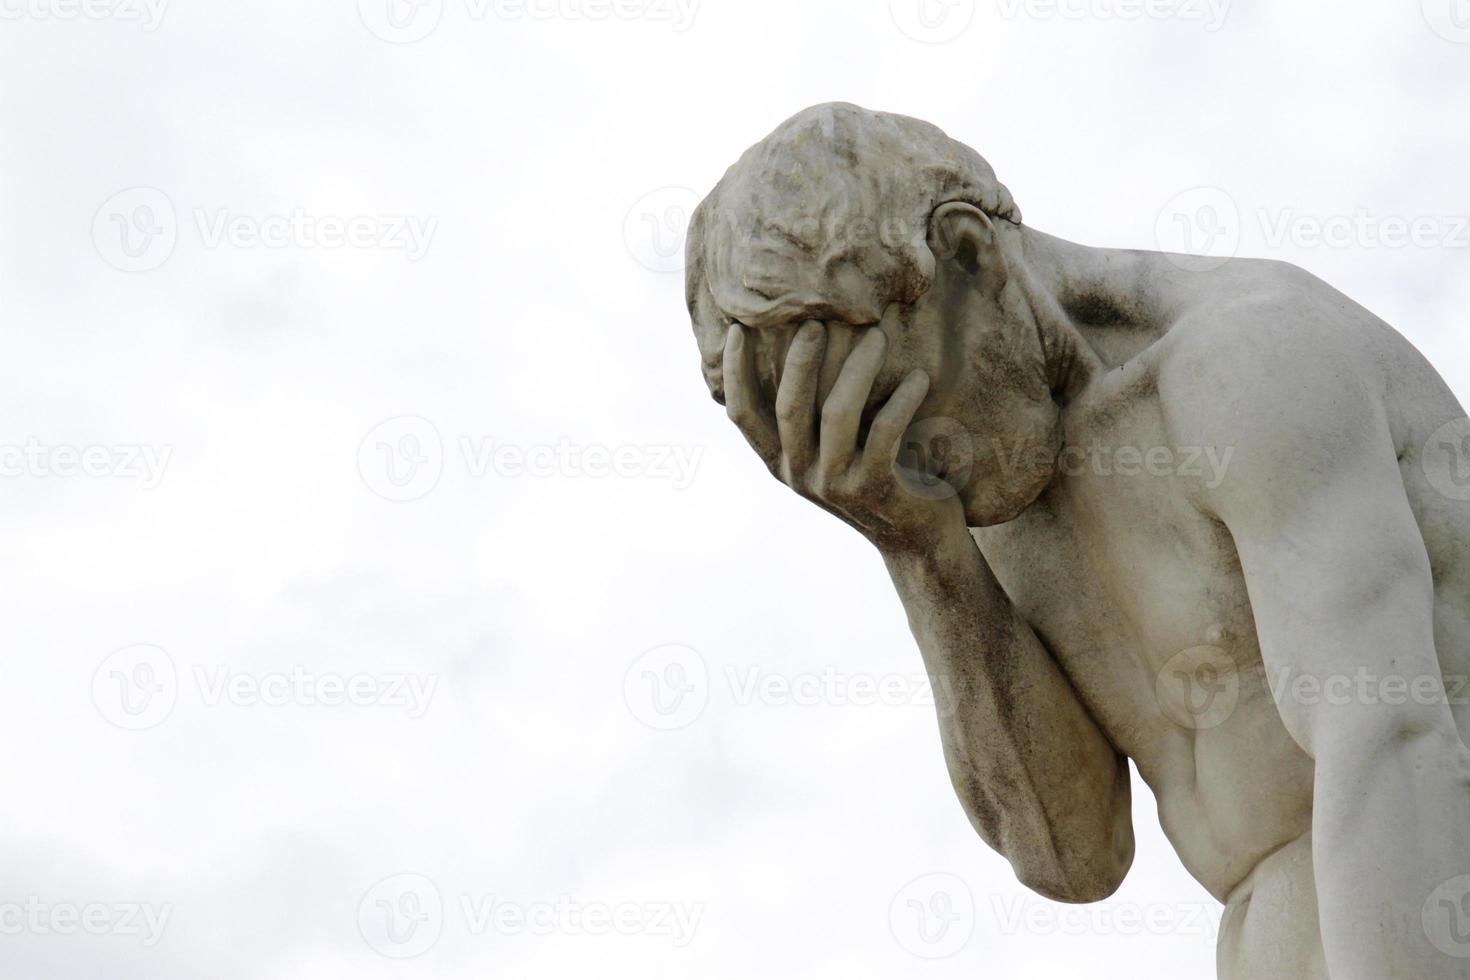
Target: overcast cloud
[360, 488]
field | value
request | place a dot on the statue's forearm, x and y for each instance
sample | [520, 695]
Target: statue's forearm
[1039, 780]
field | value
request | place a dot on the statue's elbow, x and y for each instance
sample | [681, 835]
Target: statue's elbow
[1075, 886]
[1082, 873]
[1077, 854]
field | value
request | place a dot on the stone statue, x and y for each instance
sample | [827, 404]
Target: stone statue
[1215, 521]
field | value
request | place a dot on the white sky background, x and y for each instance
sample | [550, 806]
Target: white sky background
[527, 146]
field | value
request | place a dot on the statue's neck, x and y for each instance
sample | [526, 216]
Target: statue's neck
[1095, 307]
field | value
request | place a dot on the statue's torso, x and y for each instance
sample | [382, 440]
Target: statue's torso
[1140, 596]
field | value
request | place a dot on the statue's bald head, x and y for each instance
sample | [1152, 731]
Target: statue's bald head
[827, 217]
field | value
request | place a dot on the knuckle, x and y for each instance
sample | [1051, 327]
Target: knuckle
[884, 431]
[836, 414]
[842, 492]
[793, 473]
[803, 355]
[871, 484]
[796, 467]
[787, 410]
[803, 488]
[836, 400]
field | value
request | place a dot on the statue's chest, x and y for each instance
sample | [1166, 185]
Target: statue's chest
[1138, 596]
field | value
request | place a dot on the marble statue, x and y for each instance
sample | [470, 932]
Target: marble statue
[1212, 520]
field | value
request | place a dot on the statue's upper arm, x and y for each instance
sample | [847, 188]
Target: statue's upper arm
[1334, 563]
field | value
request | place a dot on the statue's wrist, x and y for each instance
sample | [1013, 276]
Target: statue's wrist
[946, 555]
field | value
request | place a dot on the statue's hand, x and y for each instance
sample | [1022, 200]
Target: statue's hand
[817, 453]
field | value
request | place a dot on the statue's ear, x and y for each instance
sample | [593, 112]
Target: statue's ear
[963, 234]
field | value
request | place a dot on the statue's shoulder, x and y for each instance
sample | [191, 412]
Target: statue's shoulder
[1265, 324]
[1274, 356]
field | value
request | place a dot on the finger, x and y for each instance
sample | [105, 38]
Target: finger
[842, 412]
[885, 435]
[743, 402]
[839, 345]
[796, 401]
